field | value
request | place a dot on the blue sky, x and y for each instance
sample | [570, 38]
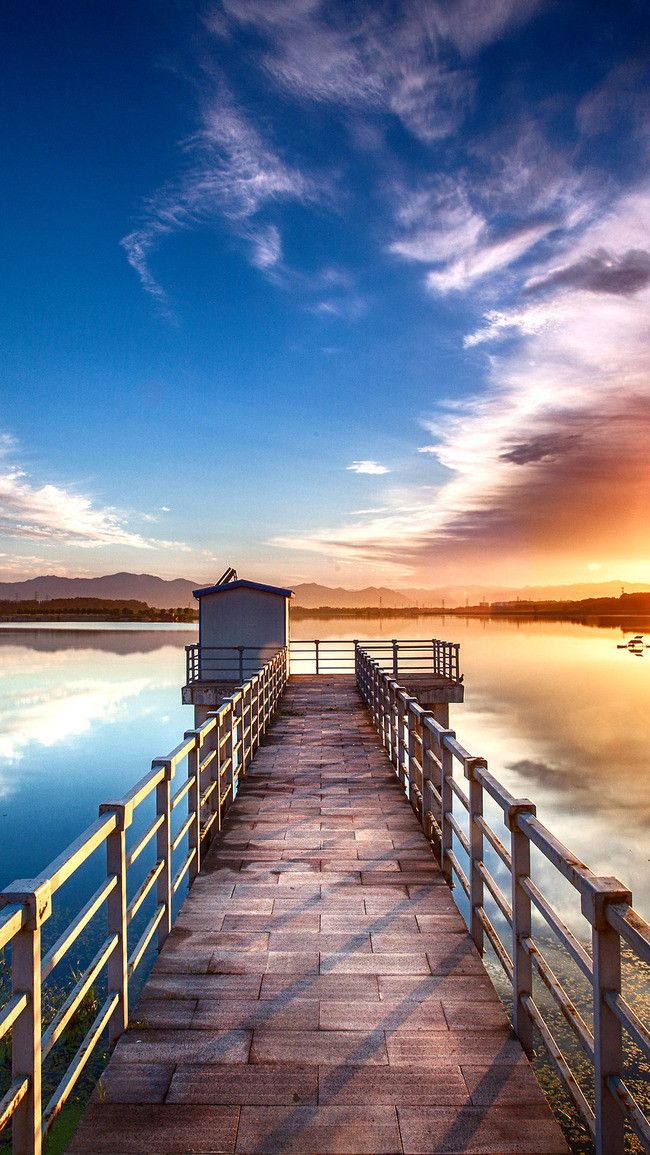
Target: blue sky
[347, 292]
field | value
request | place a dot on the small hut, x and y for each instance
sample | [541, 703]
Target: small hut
[242, 624]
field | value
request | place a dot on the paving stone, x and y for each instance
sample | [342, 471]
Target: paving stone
[398, 924]
[164, 1013]
[505, 1084]
[475, 1016]
[326, 1130]
[315, 1047]
[438, 1047]
[409, 1086]
[232, 1086]
[203, 987]
[443, 923]
[323, 943]
[448, 987]
[407, 1015]
[259, 962]
[223, 1014]
[351, 962]
[288, 921]
[363, 988]
[160, 1129]
[473, 1131]
[124, 1082]
[184, 1046]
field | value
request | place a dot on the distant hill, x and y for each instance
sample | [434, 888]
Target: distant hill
[141, 587]
[472, 595]
[312, 596]
[166, 595]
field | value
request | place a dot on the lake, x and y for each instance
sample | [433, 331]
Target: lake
[557, 709]
[560, 713]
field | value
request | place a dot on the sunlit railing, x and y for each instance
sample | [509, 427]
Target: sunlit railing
[191, 789]
[400, 656]
[427, 759]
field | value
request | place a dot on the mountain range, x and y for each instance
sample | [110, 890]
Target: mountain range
[164, 594]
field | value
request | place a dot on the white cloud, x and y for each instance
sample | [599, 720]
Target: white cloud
[551, 459]
[233, 175]
[367, 467]
[439, 223]
[377, 57]
[266, 247]
[479, 261]
[527, 321]
[52, 513]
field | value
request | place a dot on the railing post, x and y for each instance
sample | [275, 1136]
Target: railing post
[386, 711]
[240, 651]
[426, 770]
[597, 894]
[475, 793]
[194, 804]
[399, 726]
[237, 742]
[164, 848]
[409, 719]
[117, 917]
[228, 720]
[215, 771]
[26, 1056]
[522, 978]
[447, 806]
[395, 663]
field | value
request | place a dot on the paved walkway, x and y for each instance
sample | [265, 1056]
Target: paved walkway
[319, 992]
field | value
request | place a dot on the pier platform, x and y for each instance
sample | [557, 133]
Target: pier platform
[319, 992]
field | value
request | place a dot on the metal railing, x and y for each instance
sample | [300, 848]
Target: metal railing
[225, 663]
[315, 656]
[427, 758]
[192, 787]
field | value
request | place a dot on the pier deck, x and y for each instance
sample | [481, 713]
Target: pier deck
[319, 991]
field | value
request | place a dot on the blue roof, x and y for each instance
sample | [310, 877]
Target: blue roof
[241, 583]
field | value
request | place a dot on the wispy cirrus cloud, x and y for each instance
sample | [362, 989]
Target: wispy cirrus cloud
[551, 459]
[232, 174]
[51, 513]
[480, 260]
[395, 59]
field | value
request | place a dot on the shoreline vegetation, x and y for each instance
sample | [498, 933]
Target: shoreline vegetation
[94, 609]
[626, 608]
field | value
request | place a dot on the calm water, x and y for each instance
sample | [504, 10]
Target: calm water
[563, 718]
[560, 713]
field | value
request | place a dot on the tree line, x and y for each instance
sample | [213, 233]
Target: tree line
[115, 609]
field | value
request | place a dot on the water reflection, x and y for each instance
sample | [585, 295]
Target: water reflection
[81, 717]
[559, 711]
[562, 716]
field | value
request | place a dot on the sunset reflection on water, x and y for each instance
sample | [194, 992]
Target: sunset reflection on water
[561, 715]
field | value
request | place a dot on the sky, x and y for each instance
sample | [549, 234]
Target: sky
[348, 292]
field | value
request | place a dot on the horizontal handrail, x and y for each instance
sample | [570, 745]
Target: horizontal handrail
[403, 656]
[191, 789]
[426, 757]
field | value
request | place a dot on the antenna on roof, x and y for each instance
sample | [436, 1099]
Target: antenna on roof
[229, 576]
